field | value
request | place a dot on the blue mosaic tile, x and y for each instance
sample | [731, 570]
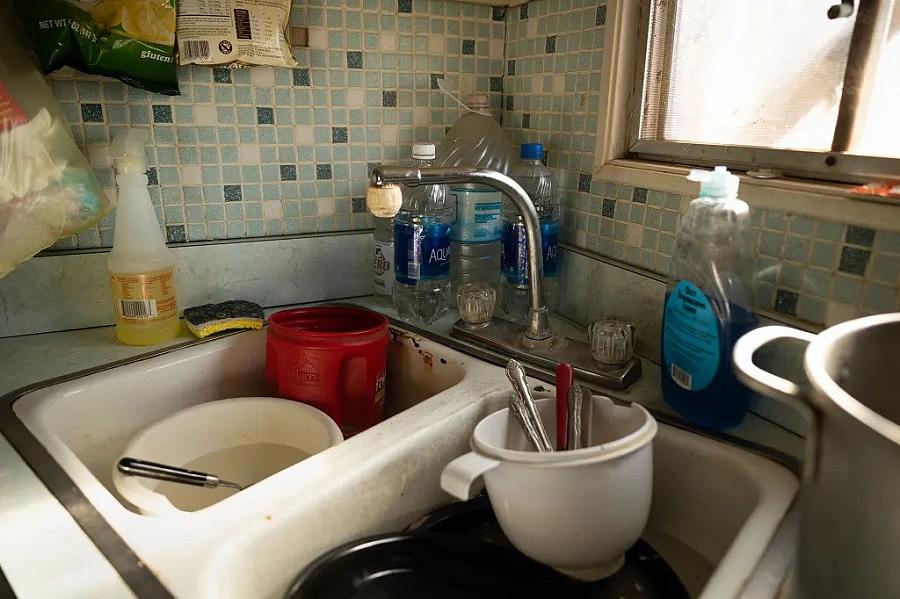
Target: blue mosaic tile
[152, 177]
[265, 115]
[232, 193]
[162, 113]
[323, 171]
[221, 74]
[339, 135]
[859, 236]
[854, 260]
[468, 47]
[639, 195]
[601, 16]
[288, 172]
[92, 113]
[550, 44]
[786, 301]
[584, 182]
[389, 98]
[404, 6]
[175, 234]
[354, 59]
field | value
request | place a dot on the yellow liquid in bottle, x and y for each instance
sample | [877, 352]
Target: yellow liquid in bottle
[146, 309]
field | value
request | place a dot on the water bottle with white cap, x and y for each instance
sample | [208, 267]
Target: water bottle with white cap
[422, 248]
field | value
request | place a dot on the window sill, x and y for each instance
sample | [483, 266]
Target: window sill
[831, 201]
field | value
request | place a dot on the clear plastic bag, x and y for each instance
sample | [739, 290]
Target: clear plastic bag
[47, 188]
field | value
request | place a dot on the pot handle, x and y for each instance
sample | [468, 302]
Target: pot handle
[763, 381]
[770, 385]
[460, 477]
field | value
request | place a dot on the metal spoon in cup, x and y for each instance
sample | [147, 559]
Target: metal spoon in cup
[521, 404]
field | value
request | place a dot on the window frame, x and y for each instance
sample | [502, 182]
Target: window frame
[829, 165]
[624, 48]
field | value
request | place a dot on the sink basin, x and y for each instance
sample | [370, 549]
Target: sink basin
[715, 507]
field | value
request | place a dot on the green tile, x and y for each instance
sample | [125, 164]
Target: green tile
[846, 290]
[879, 298]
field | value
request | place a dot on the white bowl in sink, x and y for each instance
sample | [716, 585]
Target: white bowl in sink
[242, 439]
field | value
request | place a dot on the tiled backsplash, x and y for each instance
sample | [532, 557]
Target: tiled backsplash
[816, 270]
[267, 152]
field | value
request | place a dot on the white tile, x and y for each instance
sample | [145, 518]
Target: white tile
[304, 135]
[387, 41]
[559, 84]
[496, 49]
[272, 209]
[356, 97]
[204, 114]
[836, 312]
[325, 206]
[390, 134]
[262, 76]
[437, 44]
[191, 175]
[421, 116]
[248, 154]
[635, 235]
[318, 38]
[98, 155]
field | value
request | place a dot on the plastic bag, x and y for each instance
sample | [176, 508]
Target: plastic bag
[47, 188]
[132, 40]
[243, 32]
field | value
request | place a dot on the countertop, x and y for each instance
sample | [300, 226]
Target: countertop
[44, 553]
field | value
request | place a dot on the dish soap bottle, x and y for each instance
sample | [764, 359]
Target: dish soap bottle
[141, 267]
[708, 305]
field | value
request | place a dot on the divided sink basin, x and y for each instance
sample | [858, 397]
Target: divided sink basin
[715, 507]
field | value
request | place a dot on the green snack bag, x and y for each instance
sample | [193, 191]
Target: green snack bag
[132, 40]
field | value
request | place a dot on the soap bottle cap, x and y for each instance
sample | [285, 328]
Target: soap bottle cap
[718, 183]
[532, 151]
[127, 150]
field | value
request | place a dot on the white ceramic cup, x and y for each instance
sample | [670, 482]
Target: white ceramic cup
[213, 426]
[576, 511]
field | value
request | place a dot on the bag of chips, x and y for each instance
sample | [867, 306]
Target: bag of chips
[132, 40]
[239, 32]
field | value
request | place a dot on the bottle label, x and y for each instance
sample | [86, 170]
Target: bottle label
[383, 267]
[477, 216]
[421, 252]
[514, 252]
[144, 298]
[690, 338]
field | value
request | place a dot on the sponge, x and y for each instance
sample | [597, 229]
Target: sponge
[205, 320]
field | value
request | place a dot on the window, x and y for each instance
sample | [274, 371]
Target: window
[770, 84]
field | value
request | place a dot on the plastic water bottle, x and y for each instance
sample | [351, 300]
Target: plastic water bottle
[383, 256]
[476, 140]
[537, 180]
[422, 248]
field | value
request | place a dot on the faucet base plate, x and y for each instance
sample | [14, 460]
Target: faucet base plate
[505, 337]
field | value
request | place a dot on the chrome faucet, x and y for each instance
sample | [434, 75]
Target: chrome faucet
[537, 328]
[537, 346]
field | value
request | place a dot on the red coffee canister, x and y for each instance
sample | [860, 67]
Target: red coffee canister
[333, 358]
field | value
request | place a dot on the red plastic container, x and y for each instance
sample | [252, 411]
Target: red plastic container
[333, 358]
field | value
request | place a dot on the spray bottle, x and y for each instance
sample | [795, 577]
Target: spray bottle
[709, 304]
[141, 267]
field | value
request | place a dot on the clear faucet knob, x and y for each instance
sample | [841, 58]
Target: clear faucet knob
[476, 303]
[612, 340]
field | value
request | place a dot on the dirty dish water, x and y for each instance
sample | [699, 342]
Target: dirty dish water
[243, 464]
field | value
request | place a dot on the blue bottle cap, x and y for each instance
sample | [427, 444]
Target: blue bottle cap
[533, 151]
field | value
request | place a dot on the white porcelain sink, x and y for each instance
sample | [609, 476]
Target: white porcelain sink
[715, 507]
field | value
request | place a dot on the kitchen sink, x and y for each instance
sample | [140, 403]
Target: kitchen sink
[715, 506]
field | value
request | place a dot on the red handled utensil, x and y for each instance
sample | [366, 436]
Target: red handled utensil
[565, 377]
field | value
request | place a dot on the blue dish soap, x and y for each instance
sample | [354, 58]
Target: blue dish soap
[709, 305]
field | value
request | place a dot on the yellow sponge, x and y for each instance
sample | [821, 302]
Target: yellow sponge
[205, 320]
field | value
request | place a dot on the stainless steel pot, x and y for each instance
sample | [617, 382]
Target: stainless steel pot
[850, 502]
